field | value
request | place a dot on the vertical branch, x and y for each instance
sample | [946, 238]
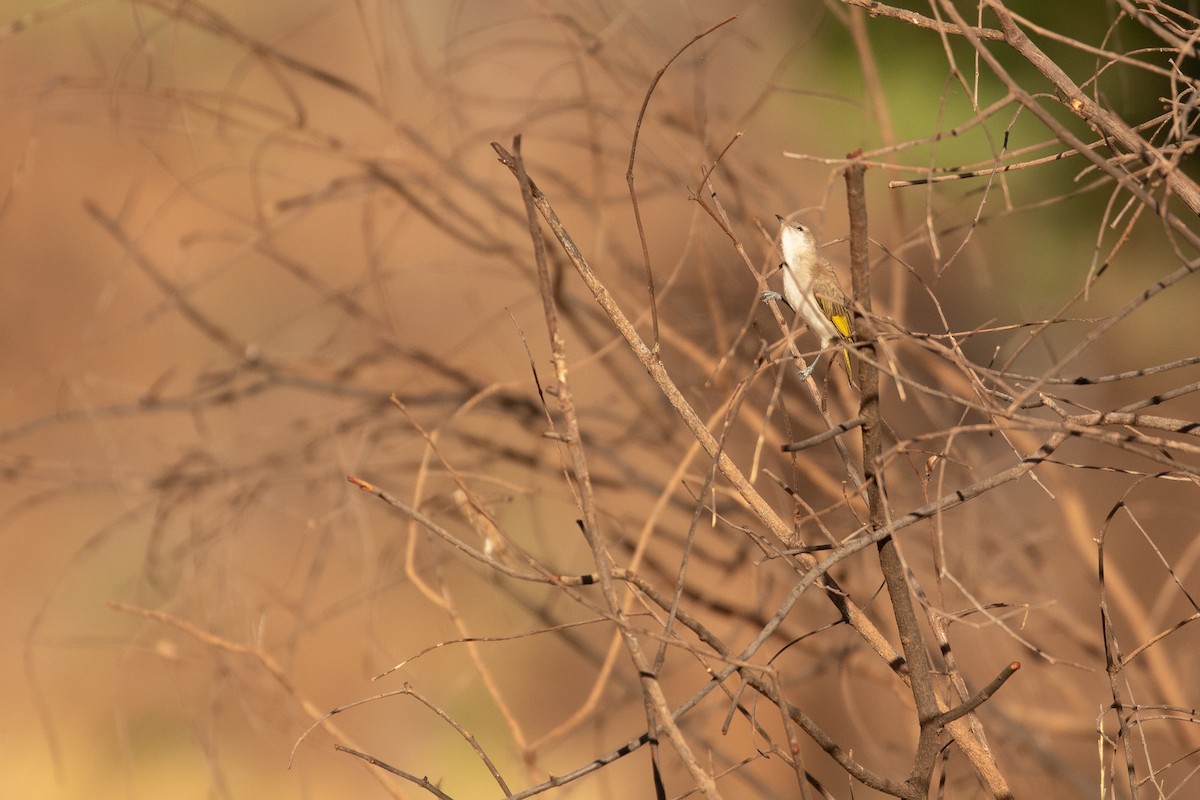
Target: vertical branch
[658, 712]
[921, 682]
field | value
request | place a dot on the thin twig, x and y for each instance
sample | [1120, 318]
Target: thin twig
[633, 201]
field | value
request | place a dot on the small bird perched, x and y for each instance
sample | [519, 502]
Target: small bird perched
[810, 288]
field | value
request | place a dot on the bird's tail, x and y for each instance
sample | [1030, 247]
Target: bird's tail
[849, 366]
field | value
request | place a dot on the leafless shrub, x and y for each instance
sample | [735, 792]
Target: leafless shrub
[598, 536]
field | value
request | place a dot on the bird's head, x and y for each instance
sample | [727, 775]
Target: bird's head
[796, 241]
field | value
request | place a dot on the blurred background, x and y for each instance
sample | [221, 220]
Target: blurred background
[230, 232]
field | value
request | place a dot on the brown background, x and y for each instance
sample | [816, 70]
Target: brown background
[244, 182]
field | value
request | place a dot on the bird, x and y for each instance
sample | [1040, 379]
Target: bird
[811, 289]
